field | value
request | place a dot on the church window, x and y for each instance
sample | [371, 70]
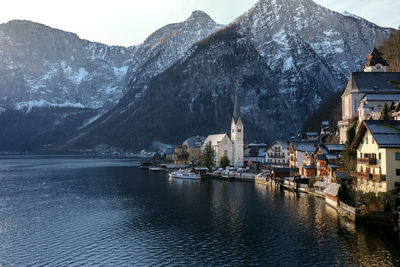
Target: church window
[239, 130]
[226, 152]
[233, 130]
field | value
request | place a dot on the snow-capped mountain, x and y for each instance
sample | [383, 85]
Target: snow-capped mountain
[42, 66]
[166, 46]
[288, 56]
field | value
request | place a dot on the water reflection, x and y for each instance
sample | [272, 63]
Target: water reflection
[117, 214]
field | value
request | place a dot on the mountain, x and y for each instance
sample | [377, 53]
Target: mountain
[54, 84]
[288, 56]
[45, 67]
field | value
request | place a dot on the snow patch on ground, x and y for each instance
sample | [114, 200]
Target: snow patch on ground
[91, 120]
[120, 72]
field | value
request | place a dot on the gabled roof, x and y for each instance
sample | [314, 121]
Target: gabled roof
[308, 147]
[377, 97]
[334, 147]
[285, 144]
[372, 83]
[215, 138]
[332, 189]
[385, 133]
[195, 141]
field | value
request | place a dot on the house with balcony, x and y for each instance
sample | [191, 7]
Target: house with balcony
[277, 154]
[378, 156]
[299, 151]
[367, 92]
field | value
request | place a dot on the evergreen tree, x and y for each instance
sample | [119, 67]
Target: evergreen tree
[224, 162]
[385, 112]
[207, 157]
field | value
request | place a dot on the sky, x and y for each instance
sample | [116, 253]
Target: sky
[129, 22]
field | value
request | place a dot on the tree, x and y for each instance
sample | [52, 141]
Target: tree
[385, 113]
[224, 161]
[346, 194]
[207, 157]
[349, 155]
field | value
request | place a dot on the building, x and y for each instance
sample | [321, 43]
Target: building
[278, 154]
[193, 146]
[255, 154]
[222, 145]
[232, 147]
[365, 85]
[378, 156]
[299, 151]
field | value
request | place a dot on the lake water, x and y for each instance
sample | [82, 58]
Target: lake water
[77, 211]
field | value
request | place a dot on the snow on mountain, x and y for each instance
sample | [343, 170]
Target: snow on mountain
[45, 66]
[288, 56]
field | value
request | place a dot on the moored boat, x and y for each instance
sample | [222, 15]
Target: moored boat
[184, 175]
[155, 169]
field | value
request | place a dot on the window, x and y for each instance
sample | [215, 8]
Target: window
[397, 155]
[380, 155]
[226, 152]
[239, 130]
[397, 172]
[366, 139]
[233, 130]
[361, 155]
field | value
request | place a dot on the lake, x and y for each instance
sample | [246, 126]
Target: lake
[90, 211]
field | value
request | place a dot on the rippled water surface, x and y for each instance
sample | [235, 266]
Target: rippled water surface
[78, 211]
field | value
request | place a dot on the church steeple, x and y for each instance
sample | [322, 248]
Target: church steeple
[375, 62]
[236, 111]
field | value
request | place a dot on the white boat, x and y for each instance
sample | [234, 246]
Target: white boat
[155, 169]
[184, 175]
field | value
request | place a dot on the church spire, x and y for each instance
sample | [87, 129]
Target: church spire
[236, 111]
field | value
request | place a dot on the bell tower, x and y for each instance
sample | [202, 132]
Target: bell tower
[375, 62]
[237, 132]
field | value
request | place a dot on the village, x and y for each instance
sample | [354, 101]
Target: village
[359, 175]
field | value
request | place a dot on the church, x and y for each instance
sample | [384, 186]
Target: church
[367, 92]
[232, 147]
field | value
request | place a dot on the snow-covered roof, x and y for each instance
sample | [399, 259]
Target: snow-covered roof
[385, 133]
[321, 184]
[332, 189]
[215, 138]
[380, 97]
[308, 147]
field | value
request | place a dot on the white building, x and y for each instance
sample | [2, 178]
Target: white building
[232, 147]
[364, 87]
[278, 153]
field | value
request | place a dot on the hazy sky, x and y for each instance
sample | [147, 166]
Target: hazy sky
[129, 22]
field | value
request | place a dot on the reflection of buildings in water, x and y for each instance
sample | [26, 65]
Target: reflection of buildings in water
[261, 190]
[368, 245]
[228, 206]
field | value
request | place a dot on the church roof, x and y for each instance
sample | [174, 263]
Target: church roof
[372, 83]
[236, 110]
[374, 58]
[385, 97]
[215, 138]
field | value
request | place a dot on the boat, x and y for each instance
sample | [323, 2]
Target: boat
[155, 169]
[184, 175]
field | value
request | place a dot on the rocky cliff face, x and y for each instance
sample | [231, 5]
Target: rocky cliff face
[288, 56]
[45, 67]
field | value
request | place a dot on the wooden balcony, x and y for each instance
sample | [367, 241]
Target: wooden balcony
[367, 161]
[370, 176]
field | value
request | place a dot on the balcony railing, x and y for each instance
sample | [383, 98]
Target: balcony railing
[370, 176]
[368, 161]
[276, 156]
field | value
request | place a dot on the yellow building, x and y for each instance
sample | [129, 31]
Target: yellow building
[190, 151]
[378, 156]
[193, 146]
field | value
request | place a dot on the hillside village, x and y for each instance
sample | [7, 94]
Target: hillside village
[365, 161]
